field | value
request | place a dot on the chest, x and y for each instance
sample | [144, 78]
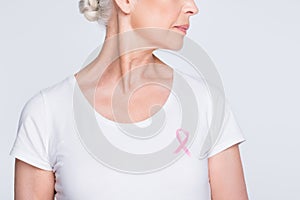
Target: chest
[82, 177]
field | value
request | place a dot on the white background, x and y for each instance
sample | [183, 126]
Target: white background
[254, 44]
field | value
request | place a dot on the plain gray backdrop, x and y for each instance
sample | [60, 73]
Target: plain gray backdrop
[254, 44]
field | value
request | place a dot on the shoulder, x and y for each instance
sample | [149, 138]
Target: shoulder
[59, 88]
[35, 106]
[193, 80]
[196, 84]
[194, 77]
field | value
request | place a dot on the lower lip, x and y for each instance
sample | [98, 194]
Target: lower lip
[181, 29]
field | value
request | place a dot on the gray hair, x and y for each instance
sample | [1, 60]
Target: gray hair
[96, 10]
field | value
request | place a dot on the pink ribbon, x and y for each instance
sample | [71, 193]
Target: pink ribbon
[182, 143]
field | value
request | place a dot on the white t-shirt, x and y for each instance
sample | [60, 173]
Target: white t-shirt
[47, 137]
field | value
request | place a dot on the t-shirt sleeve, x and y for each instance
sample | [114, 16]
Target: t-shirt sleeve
[231, 132]
[31, 144]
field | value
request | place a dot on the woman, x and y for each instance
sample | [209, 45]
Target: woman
[51, 161]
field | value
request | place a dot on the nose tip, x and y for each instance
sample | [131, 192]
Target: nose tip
[192, 8]
[195, 11]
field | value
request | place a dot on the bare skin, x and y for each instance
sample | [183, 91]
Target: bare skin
[225, 168]
[32, 183]
[226, 175]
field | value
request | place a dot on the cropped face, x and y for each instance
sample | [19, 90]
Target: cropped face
[164, 14]
[169, 18]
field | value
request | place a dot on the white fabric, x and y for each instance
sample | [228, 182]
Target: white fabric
[47, 138]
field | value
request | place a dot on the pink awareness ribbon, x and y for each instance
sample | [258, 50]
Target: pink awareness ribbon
[182, 143]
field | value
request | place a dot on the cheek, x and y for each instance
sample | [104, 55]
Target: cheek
[156, 13]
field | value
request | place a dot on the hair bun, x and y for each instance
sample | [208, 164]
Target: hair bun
[90, 9]
[96, 10]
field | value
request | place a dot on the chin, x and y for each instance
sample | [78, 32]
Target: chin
[174, 40]
[171, 39]
[155, 38]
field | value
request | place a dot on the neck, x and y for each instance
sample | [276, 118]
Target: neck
[122, 52]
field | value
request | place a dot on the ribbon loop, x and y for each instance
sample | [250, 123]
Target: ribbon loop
[182, 143]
